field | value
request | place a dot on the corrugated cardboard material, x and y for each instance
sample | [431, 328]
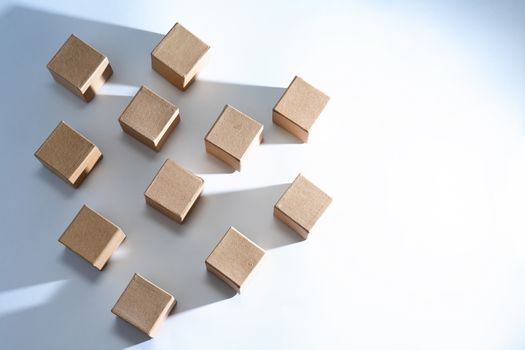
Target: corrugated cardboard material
[299, 107]
[144, 305]
[174, 190]
[68, 154]
[301, 205]
[149, 118]
[92, 236]
[179, 56]
[232, 134]
[80, 68]
[234, 258]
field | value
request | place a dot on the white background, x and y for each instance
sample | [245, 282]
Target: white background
[421, 146]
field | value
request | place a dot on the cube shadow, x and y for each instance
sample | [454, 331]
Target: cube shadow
[170, 254]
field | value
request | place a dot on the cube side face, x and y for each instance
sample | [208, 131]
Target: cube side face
[302, 205]
[149, 118]
[161, 140]
[234, 258]
[144, 305]
[167, 73]
[279, 214]
[110, 248]
[290, 126]
[158, 143]
[99, 78]
[301, 103]
[164, 315]
[65, 151]
[90, 235]
[194, 72]
[257, 140]
[152, 202]
[234, 133]
[76, 62]
[174, 190]
[59, 79]
[236, 287]
[220, 154]
[85, 167]
[179, 56]
[138, 136]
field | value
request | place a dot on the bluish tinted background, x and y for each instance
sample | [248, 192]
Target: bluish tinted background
[422, 147]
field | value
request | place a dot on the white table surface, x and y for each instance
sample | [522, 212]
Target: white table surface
[422, 147]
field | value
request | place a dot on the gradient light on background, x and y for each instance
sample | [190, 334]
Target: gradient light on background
[422, 147]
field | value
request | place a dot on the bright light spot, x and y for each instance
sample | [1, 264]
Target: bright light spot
[266, 165]
[118, 90]
[120, 253]
[28, 297]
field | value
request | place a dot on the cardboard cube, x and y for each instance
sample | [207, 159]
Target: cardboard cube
[144, 305]
[174, 191]
[80, 68]
[68, 154]
[92, 236]
[232, 135]
[301, 205]
[179, 56]
[149, 118]
[299, 107]
[234, 258]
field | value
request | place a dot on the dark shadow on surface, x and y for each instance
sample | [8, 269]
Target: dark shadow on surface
[52, 180]
[138, 148]
[183, 248]
[128, 333]
[41, 205]
[198, 111]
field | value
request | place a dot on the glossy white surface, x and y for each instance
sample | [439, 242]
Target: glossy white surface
[421, 146]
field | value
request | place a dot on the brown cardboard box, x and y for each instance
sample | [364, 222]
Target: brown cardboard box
[144, 305]
[92, 236]
[299, 108]
[234, 258]
[174, 190]
[149, 118]
[68, 154]
[80, 68]
[301, 205]
[232, 134]
[179, 56]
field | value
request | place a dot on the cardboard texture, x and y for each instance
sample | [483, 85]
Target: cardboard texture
[149, 118]
[301, 205]
[232, 135]
[92, 236]
[80, 68]
[298, 108]
[68, 154]
[174, 191]
[179, 56]
[234, 259]
[144, 305]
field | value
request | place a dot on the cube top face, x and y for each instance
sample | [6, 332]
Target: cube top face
[144, 305]
[301, 104]
[234, 258]
[302, 204]
[234, 132]
[92, 236]
[68, 153]
[76, 62]
[150, 117]
[181, 51]
[174, 190]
